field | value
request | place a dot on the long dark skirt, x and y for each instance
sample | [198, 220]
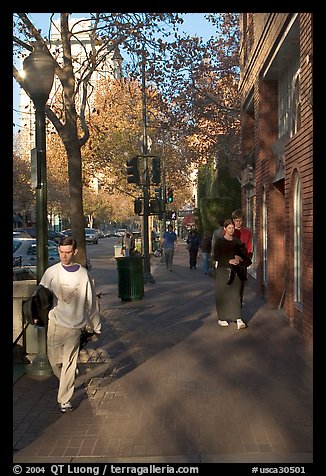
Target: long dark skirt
[227, 296]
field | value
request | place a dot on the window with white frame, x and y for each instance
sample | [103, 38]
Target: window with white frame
[289, 99]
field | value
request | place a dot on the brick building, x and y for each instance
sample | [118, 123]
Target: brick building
[277, 152]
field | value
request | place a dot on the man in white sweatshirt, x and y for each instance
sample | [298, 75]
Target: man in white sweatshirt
[74, 307]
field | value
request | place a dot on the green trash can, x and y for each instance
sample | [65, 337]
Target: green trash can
[130, 278]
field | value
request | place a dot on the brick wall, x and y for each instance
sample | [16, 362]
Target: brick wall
[260, 129]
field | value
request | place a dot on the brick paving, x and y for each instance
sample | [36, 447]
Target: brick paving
[165, 383]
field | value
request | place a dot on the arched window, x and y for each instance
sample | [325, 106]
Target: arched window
[297, 240]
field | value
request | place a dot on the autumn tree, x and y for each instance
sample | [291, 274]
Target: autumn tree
[23, 194]
[199, 80]
[106, 31]
[96, 206]
[115, 127]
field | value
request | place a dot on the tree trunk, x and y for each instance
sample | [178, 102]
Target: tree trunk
[76, 198]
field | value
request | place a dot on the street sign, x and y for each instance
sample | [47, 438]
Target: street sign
[141, 144]
[183, 213]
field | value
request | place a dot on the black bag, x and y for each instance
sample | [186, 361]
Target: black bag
[240, 270]
[37, 306]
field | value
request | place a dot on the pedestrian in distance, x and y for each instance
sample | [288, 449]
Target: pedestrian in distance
[169, 243]
[153, 240]
[245, 235]
[193, 242]
[206, 248]
[127, 244]
[74, 308]
[228, 254]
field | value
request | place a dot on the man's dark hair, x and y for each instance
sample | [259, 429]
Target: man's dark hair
[68, 241]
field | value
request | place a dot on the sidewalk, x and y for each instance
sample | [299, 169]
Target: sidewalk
[166, 384]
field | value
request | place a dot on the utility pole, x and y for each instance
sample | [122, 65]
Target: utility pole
[164, 183]
[148, 278]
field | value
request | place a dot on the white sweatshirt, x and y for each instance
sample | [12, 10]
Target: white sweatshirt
[74, 300]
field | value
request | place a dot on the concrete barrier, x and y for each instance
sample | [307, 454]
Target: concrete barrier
[22, 290]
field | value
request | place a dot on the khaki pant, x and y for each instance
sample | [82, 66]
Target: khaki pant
[168, 254]
[63, 348]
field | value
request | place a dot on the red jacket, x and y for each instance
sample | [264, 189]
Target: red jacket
[245, 235]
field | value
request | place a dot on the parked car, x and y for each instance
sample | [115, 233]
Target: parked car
[31, 231]
[108, 233]
[55, 235]
[101, 233]
[24, 252]
[20, 234]
[67, 232]
[120, 232]
[91, 235]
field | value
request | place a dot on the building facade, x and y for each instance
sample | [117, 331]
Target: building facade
[276, 75]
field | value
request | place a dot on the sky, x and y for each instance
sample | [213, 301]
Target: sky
[194, 24]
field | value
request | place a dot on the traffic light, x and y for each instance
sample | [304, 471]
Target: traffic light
[169, 195]
[138, 206]
[157, 192]
[133, 175]
[156, 170]
[155, 206]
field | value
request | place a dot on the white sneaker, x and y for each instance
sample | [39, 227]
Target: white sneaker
[66, 407]
[241, 324]
[223, 323]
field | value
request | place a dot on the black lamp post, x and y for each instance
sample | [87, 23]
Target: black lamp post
[148, 278]
[39, 74]
[38, 80]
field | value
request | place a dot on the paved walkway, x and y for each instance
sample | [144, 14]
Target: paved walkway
[166, 384]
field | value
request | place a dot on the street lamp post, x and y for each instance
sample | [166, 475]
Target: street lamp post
[38, 80]
[148, 278]
[163, 194]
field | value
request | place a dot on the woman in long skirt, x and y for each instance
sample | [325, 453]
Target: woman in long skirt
[228, 254]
